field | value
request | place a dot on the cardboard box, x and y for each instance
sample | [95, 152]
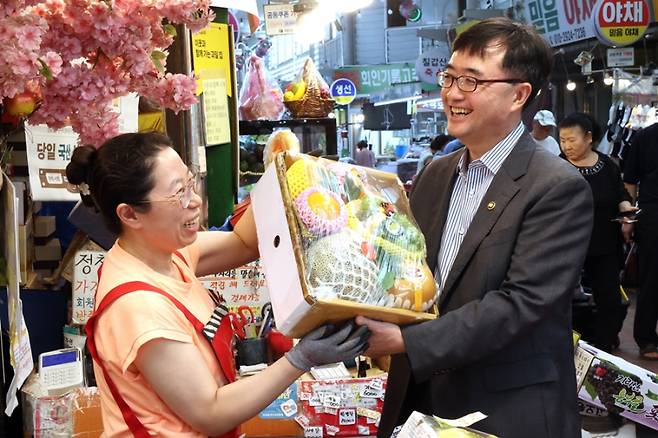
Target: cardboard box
[280, 244]
[44, 226]
[621, 387]
[51, 251]
[76, 414]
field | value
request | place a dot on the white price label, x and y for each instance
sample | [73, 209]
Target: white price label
[346, 417]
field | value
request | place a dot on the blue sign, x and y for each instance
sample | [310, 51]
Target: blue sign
[275, 410]
[343, 91]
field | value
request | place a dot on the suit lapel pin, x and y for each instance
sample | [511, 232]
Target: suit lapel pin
[491, 205]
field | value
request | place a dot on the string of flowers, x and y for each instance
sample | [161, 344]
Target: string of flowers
[64, 61]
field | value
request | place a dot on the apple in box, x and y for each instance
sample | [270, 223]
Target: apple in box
[337, 241]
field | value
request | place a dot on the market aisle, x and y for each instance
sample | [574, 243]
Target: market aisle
[628, 349]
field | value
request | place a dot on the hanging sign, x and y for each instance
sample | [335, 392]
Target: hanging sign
[621, 57]
[560, 22]
[48, 153]
[280, 19]
[343, 91]
[621, 22]
[210, 54]
[431, 62]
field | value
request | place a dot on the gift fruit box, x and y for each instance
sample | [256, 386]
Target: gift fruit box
[337, 241]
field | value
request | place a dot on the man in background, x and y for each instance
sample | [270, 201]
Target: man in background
[542, 125]
[641, 180]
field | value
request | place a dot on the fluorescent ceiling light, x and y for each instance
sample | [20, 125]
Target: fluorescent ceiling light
[398, 100]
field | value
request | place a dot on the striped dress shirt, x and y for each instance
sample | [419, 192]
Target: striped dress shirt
[471, 184]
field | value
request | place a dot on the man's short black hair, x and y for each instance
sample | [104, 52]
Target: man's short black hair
[527, 55]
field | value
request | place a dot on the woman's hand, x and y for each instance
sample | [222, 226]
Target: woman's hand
[324, 346]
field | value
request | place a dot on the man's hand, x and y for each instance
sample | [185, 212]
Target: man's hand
[627, 229]
[385, 338]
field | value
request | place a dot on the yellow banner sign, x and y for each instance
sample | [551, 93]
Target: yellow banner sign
[210, 54]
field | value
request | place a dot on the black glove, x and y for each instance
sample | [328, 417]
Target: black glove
[324, 346]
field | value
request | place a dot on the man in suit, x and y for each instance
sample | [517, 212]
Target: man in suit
[506, 226]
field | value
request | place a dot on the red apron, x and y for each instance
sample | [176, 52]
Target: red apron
[218, 331]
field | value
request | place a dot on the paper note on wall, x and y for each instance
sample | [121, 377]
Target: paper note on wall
[243, 286]
[215, 105]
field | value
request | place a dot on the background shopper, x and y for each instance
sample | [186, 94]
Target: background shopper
[641, 178]
[542, 126]
[364, 156]
[579, 132]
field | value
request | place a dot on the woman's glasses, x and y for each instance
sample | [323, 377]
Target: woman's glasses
[183, 196]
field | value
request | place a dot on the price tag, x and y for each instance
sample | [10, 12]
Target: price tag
[346, 417]
[313, 432]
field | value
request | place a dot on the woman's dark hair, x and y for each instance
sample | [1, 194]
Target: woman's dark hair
[362, 144]
[527, 55]
[120, 171]
[586, 122]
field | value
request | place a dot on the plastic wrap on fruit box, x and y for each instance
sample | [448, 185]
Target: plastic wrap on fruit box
[71, 415]
[260, 97]
[360, 241]
[426, 426]
[342, 407]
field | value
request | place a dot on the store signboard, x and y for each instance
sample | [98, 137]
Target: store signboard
[621, 22]
[280, 19]
[85, 283]
[343, 91]
[431, 62]
[561, 21]
[370, 79]
[621, 57]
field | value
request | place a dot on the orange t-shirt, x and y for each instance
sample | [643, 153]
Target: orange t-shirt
[137, 318]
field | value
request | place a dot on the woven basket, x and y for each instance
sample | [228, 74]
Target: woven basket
[312, 105]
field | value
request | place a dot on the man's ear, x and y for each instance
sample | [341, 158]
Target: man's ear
[128, 216]
[523, 91]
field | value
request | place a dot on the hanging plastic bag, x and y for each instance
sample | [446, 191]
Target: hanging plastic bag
[260, 97]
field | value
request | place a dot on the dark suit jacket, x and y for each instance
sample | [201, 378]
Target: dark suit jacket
[502, 344]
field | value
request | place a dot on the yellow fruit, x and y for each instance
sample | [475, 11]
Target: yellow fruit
[288, 95]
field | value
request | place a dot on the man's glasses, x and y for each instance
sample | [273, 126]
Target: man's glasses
[183, 196]
[468, 84]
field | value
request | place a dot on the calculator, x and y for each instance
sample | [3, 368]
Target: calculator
[60, 370]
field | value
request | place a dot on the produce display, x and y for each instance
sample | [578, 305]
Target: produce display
[260, 97]
[359, 239]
